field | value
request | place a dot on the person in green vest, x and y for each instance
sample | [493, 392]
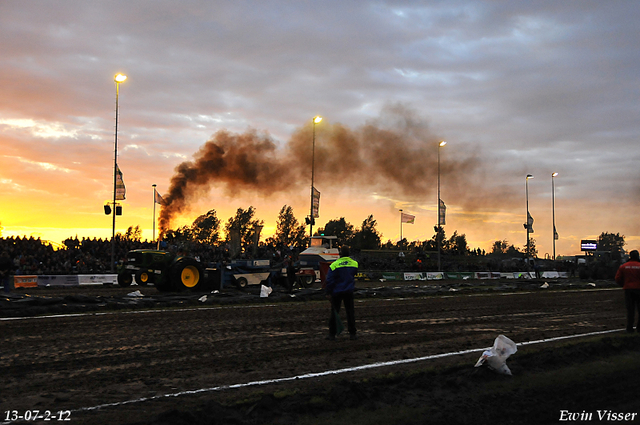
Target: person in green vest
[341, 283]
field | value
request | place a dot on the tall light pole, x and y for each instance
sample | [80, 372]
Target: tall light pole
[154, 211]
[316, 120]
[119, 78]
[438, 238]
[553, 212]
[528, 224]
[400, 243]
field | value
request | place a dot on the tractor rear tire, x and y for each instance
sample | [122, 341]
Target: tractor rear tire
[187, 274]
[143, 278]
[125, 279]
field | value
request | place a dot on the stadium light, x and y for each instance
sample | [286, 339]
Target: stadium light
[311, 220]
[118, 78]
[528, 225]
[441, 144]
[553, 212]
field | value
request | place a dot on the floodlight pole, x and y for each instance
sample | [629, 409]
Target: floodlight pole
[528, 225]
[118, 79]
[154, 212]
[315, 120]
[553, 211]
[438, 238]
[400, 243]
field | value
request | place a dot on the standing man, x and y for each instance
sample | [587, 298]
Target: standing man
[6, 271]
[628, 276]
[291, 273]
[341, 282]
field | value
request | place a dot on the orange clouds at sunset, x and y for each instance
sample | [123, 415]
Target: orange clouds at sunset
[217, 112]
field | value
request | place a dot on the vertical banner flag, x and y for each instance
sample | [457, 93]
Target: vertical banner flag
[256, 238]
[316, 203]
[408, 218]
[529, 223]
[555, 233]
[442, 212]
[120, 189]
[158, 198]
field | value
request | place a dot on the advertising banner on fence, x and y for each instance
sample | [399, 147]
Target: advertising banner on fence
[414, 276]
[97, 279]
[58, 280]
[25, 281]
[459, 275]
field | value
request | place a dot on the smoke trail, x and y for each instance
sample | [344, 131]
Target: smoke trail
[239, 161]
[394, 155]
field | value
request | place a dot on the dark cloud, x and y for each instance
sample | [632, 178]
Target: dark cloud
[514, 86]
[394, 155]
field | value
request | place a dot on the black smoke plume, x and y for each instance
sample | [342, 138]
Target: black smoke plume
[395, 156]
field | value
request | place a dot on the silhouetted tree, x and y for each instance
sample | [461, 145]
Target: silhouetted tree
[502, 248]
[245, 225]
[457, 244]
[339, 228]
[133, 234]
[179, 236]
[613, 243]
[532, 251]
[367, 237]
[206, 228]
[289, 232]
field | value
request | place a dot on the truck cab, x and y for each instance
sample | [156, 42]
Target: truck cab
[322, 249]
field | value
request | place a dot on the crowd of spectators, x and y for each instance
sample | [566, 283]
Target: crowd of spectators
[32, 256]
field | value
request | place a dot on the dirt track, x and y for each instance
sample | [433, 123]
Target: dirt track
[92, 359]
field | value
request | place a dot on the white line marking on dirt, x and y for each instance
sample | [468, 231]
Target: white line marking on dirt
[107, 313]
[328, 372]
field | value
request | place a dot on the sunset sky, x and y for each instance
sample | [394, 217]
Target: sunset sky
[514, 87]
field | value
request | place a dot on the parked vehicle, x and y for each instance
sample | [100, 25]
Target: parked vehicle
[167, 271]
[322, 250]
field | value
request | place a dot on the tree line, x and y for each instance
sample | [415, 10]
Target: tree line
[291, 233]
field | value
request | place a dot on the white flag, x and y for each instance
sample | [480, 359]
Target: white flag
[408, 218]
[158, 199]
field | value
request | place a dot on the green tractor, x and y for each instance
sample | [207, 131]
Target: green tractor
[167, 271]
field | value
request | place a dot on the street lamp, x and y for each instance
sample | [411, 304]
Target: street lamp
[119, 78]
[438, 238]
[529, 223]
[553, 212]
[400, 243]
[316, 120]
[155, 197]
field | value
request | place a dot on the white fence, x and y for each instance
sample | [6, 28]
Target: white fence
[29, 281]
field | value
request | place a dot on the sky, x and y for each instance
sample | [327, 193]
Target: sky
[221, 95]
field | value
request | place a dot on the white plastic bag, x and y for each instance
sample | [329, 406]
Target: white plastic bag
[496, 357]
[265, 291]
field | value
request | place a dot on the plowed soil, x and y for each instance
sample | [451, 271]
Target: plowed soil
[174, 359]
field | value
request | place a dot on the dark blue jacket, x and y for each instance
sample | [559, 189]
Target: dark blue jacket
[342, 276]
